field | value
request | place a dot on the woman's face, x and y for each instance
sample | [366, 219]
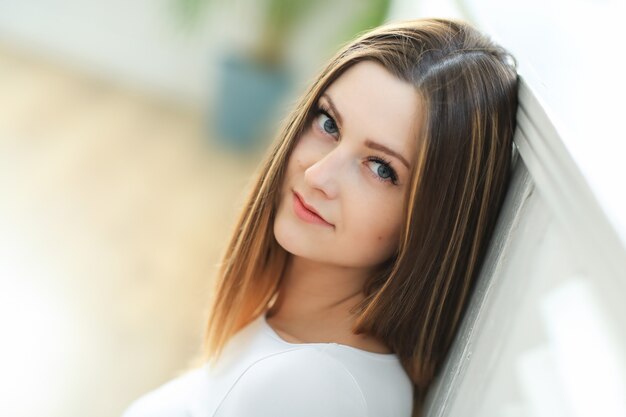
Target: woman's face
[351, 166]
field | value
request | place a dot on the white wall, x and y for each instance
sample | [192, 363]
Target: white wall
[140, 43]
[136, 42]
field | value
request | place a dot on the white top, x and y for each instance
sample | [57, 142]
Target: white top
[261, 374]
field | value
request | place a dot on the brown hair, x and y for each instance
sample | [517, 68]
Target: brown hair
[414, 303]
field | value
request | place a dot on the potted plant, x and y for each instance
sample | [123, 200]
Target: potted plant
[251, 84]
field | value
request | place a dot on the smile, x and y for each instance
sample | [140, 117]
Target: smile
[305, 214]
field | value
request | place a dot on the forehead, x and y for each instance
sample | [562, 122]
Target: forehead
[376, 105]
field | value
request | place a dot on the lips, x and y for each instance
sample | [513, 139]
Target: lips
[310, 210]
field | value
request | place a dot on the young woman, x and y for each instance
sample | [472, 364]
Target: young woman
[354, 257]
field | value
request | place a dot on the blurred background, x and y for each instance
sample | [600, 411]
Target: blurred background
[130, 132]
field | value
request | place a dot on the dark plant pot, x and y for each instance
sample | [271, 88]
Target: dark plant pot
[248, 96]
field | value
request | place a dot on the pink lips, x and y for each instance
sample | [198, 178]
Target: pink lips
[306, 212]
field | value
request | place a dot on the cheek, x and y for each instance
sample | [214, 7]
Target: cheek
[376, 225]
[380, 229]
[299, 155]
[294, 165]
[309, 147]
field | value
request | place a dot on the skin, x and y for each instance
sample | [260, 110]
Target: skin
[331, 168]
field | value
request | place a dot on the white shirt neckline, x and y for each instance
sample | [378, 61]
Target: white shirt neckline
[381, 356]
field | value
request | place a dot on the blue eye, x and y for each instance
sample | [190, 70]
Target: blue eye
[328, 124]
[382, 170]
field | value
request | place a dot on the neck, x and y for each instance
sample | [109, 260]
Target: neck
[312, 291]
[314, 302]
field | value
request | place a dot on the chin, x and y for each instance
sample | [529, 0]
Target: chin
[286, 235]
[298, 240]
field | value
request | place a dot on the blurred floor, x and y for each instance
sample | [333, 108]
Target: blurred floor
[114, 209]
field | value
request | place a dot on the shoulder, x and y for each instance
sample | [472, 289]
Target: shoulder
[169, 399]
[302, 381]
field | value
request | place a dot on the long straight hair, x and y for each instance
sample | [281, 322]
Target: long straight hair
[415, 300]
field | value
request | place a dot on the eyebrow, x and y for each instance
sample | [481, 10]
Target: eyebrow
[369, 143]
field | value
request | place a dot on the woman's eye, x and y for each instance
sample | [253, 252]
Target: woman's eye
[326, 123]
[382, 170]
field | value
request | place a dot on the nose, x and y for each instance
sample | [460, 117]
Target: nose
[324, 173]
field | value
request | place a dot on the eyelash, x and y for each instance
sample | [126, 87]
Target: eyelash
[393, 179]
